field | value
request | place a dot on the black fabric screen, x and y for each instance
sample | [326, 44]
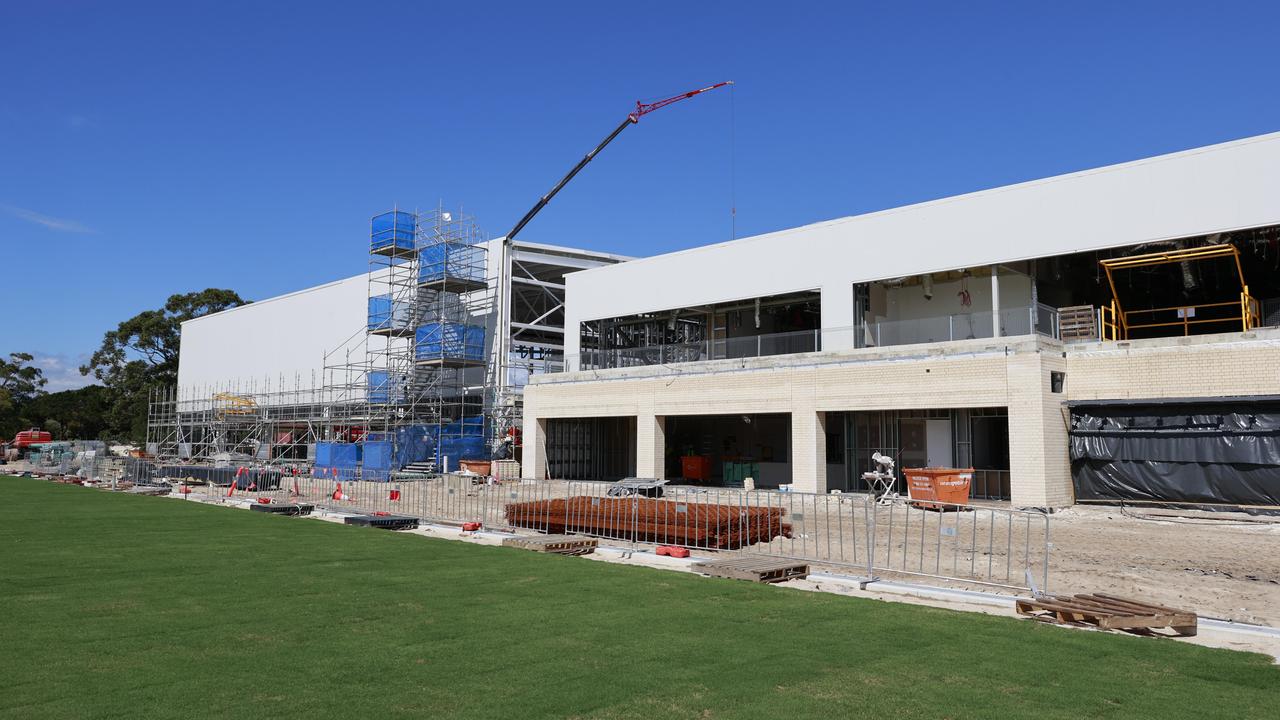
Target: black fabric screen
[1212, 451]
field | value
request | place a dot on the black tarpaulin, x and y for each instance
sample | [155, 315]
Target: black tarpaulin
[1196, 450]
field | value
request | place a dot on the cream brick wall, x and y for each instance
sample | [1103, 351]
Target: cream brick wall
[1205, 366]
[651, 439]
[1012, 373]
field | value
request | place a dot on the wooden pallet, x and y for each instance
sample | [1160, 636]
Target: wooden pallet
[558, 544]
[1108, 612]
[755, 569]
[1078, 322]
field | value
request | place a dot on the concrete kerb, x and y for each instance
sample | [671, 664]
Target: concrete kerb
[1213, 632]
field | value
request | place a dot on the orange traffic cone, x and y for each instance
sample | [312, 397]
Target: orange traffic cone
[338, 494]
[185, 489]
[394, 495]
[235, 481]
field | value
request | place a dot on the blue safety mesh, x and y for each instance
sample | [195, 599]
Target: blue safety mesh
[450, 261]
[393, 229]
[447, 340]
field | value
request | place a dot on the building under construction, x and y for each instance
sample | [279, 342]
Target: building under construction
[1100, 336]
[415, 365]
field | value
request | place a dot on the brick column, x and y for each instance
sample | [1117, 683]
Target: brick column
[533, 459]
[1040, 471]
[651, 441]
[808, 451]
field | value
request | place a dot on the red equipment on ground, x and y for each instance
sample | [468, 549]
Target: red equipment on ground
[34, 436]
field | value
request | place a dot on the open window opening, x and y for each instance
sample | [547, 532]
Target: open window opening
[960, 437]
[1215, 283]
[597, 448]
[768, 325]
[725, 450]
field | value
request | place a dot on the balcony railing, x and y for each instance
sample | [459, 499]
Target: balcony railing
[1040, 319]
[717, 349]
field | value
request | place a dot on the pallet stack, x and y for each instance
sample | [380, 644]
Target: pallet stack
[716, 527]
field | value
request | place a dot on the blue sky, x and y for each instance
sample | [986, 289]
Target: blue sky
[149, 149]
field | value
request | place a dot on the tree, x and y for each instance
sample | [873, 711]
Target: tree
[19, 383]
[18, 380]
[141, 354]
[81, 413]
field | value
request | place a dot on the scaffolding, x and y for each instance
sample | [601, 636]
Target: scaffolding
[273, 422]
[456, 327]
[410, 390]
[419, 382]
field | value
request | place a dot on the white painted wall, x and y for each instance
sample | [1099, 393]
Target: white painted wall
[910, 318]
[288, 336]
[1217, 188]
[284, 336]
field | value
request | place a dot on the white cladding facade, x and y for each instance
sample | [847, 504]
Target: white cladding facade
[281, 338]
[285, 342]
[1217, 188]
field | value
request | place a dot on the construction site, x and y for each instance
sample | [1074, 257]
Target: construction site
[411, 361]
[1086, 403]
[1026, 409]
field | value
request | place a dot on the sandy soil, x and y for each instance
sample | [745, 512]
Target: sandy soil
[1219, 565]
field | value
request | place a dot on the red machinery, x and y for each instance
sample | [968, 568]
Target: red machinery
[34, 436]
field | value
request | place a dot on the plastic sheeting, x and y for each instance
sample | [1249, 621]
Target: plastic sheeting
[1212, 451]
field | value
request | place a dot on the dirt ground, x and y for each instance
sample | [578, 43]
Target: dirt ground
[1222, 565]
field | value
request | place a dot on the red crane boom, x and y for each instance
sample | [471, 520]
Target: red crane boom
[641, 110]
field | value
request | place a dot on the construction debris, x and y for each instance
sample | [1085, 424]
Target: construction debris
[386, 521]
[709, 526]
[290, 509]
[1108, 612]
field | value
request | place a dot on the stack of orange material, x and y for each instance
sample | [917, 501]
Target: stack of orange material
[719, 527]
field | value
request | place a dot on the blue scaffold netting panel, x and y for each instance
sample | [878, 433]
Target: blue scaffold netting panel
[450, 260]
[377, 460]
[380, 312]
[449, 341]
[379, 387]
[344, 458]
[392, 230]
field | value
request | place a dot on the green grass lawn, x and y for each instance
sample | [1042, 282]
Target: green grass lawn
[131, 607]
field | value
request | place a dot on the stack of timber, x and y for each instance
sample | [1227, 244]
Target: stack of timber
[697, 525]
[1108, 612]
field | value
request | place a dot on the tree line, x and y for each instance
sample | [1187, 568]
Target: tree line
[140, 355]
